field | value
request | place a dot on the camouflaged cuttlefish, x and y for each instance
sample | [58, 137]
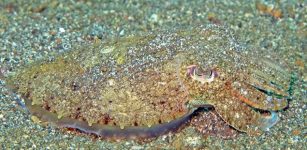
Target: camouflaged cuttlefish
[149, 85]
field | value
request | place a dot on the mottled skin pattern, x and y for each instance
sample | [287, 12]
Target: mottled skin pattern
[142, 81]
[209, 123]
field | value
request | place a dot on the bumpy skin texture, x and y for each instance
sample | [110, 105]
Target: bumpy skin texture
[143, 81]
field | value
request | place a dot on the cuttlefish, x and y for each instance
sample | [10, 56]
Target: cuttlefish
[144, 86]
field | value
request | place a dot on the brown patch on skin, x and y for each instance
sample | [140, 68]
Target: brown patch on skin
[106, 119]
[46, 106]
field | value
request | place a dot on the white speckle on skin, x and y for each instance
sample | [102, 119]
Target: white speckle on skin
[237, 115]
[111, 82]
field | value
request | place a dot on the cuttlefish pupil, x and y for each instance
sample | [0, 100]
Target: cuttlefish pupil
[203, 76]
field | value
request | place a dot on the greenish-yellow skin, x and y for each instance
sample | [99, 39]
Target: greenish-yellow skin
[145, 81]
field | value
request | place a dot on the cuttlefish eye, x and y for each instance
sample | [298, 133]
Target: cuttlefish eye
[201, 75]
[201, 72]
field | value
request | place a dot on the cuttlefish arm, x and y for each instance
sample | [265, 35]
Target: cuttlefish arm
[234, 108]
[238, 114]
[266, 84]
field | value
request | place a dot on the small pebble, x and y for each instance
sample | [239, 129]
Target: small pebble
[62, 30]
